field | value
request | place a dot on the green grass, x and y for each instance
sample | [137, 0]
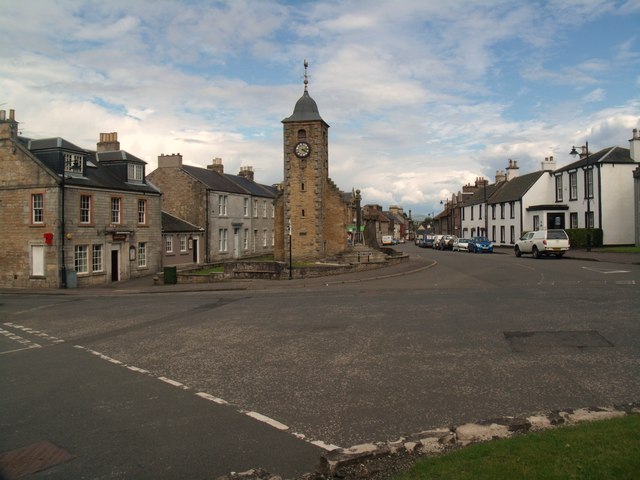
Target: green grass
[628, 249]
[600, 450]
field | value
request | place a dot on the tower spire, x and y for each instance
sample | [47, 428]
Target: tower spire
[306, 77]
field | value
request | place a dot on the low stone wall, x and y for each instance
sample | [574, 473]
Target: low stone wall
[280, 270]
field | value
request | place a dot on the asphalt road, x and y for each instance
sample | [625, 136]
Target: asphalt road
[473, 338]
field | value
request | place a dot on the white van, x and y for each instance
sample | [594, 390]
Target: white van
[543, 242]
[387, 240]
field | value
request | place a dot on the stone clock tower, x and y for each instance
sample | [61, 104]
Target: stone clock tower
[310, 210]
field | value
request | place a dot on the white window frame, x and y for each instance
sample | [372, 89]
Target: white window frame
[142, 211]
[246, 207]
[245, 240]
[116, 210]
[558, 188]
[142, 254]
[135, 172]
[85, 209]
[573, 185]
[37, 208]
[168, 243]
[255, 208]
[81, 258]
[223, 240]
[37, 260]
[183, 243]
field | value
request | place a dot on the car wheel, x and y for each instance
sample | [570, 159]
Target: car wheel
[536, 252]
[517, 252]
[559, 255]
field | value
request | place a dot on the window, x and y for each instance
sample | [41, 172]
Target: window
[479, 212]
[536, 222]
[85, 209]
[512, 234]
[502, 210]
[37, 208]
[588, 219]
[37, 260]
[142, 254]
[573, 186]
[302, 134]
[264, 237]
[573, 220]
[222, 205]
[588, 178]
[463, 209]
[222, 240]
[80, 258]
[493, 212]
[115, 210]
[183, 243]
[142, 211]
[471, 212]
[512, 209]
[273, 238]
[502, 234]
[73, 163]
[255, 208]
[255, 239]
[136, 172]
[96, 264]
[264, 209]
[273, 211]
[246, 207]
[493, 233]
[558, 188]
[245, 240]
[168, 243]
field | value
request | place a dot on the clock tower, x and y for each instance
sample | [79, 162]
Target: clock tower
[313, 211]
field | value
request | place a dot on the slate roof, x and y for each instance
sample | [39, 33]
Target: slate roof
[95, 174]
[173, 224]
[213, 180]
[118, 156]
[607, 155]
[255, 189]
[515, 188]
[479, 195]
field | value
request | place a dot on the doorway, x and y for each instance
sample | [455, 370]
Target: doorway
[194, 245]
[115, 266]
[555, 221]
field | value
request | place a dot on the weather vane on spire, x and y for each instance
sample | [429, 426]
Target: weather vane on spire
[306, 77]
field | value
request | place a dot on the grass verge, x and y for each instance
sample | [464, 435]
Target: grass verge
[602, 450]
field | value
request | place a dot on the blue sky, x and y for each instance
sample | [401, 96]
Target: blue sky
[422, 96]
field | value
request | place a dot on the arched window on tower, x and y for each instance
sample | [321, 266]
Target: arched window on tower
[302, 134]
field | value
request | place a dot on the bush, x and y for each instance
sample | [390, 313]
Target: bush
[578, 237]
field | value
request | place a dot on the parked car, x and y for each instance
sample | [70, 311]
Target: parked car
[480, 245]
[436, 240]
[426, 242]
[543, 242]
[461, 245]
[446, 242]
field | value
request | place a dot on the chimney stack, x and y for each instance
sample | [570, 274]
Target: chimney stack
[108, 142]
[512, 170]
[170, 161]
[246, 172]
[501, 176]
[8, 126]
[548, 165]
[216, 166]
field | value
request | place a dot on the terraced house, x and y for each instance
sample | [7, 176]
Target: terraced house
[71, 216]
[234, 213]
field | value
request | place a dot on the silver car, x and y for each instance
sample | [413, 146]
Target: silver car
[461, 245]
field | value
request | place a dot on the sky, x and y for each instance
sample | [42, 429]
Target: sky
[422, 96]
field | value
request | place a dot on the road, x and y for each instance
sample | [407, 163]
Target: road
[213, 382]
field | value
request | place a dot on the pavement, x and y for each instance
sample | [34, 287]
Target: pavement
[414, 264]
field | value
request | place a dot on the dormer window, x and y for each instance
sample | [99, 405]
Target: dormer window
[136, 172]
[73, 163]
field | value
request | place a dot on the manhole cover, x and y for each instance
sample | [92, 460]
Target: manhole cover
[531, 341]
[31, 459]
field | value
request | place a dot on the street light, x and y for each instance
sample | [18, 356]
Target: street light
[588, 181]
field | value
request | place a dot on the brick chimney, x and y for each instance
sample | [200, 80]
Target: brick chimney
[501, 176]
[634, 146]
[170, 161]
[108, 142]
[246, 172]
[216, 166]
[548, 165]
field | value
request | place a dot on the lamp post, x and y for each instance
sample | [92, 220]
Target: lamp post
[290, 232]
[588, 186]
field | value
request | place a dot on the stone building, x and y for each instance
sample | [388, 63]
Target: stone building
[235, 213]
[311, 212]
[74, 217]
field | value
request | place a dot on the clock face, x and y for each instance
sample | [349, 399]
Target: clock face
[302, 150]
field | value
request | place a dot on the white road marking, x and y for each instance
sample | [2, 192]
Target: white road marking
[217, 400]
[605, 271]
[267, 420]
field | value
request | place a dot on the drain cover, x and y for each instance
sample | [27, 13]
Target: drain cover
[31, 459]
[531, 341]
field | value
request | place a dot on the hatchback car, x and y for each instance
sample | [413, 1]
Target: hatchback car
[480, 245]
[461, 245]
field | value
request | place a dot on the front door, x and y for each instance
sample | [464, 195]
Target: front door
[555, 221]
[236, 242]
[115, 266]
[194, 246]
